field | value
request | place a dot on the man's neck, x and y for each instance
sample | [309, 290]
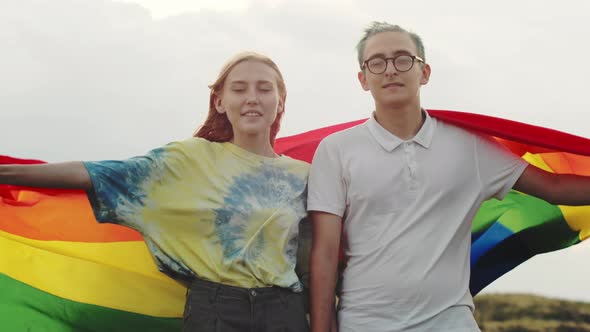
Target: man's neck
[404, 122]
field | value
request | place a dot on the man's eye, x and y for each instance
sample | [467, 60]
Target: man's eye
[377, 62]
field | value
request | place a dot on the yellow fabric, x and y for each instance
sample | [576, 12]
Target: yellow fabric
[211, 210]
[84, 272]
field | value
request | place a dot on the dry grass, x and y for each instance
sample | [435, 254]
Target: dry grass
[529, 313]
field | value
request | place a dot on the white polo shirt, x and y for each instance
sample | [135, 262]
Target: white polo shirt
[407, 208]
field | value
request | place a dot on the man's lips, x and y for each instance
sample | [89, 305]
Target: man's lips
[397, 84]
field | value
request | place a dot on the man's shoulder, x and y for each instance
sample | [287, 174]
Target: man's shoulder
[346, 136]
[445, 128]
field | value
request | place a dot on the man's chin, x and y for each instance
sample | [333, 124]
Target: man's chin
[396, 102]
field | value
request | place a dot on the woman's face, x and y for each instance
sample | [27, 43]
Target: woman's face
[250, 98]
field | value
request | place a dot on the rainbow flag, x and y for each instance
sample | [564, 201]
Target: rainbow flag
[62, 271]
[505, 233]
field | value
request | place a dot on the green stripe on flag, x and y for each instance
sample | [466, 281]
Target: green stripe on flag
[24, 308]
[516, 212]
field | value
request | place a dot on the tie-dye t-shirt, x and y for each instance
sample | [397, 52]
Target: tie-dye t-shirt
[210, 210]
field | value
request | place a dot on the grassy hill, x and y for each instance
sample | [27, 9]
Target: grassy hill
[528, 313]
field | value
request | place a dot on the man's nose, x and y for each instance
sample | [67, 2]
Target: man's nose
[390, 67]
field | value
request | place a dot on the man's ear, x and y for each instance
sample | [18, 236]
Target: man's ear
[425, 74]
[363, 80]
[218, 105]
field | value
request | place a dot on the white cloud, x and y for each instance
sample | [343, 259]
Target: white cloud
[162, 9]
[97, 79]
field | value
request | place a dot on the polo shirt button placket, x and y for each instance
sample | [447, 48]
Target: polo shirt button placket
[408, 160]
[411, 156]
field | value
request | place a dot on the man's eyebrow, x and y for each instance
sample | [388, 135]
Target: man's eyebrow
[402, 52]
[383, 55]
[377, 55]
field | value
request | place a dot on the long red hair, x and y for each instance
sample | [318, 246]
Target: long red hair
[217, 127]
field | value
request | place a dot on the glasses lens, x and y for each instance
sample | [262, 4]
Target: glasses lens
[377, 65]
[403, 62]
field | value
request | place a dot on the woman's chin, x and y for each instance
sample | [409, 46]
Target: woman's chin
[250, 129]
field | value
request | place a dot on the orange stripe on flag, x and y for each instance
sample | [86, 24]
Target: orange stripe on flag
[567, 163]
[62, 216]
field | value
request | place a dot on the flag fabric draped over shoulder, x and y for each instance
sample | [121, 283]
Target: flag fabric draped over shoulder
[508, 232]
[62, 271]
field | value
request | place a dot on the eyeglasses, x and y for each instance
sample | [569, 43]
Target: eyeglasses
[401, 63]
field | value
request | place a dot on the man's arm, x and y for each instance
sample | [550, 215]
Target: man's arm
[324, 263]
[559, 189]
[69, 175]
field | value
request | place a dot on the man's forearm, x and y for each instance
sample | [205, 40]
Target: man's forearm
[558, 189]
[323, 283]
[573, 190]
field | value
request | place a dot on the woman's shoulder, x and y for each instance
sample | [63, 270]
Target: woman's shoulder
[189, 151]
[295, 162]
[193, 144]
[294, 165]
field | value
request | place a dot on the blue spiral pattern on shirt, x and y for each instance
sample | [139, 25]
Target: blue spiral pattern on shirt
[119, 185]
[267, 187]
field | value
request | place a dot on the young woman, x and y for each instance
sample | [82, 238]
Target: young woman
[219, 211]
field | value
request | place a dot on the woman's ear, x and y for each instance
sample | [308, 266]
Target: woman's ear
[218, 104]
[281, 106]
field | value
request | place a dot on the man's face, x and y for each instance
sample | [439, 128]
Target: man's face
[393, 88]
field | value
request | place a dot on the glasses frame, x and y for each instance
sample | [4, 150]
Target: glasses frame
[413, 57]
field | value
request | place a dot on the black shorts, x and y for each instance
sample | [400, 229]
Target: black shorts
[213, 307]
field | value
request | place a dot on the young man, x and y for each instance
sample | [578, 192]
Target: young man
[400, 192]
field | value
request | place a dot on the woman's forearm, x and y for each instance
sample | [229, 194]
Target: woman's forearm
[68, 175]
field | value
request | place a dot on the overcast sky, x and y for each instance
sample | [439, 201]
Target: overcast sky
[98, 79]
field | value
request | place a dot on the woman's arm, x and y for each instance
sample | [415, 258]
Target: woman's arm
[68, 175]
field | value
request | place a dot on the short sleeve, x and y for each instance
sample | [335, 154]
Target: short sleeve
[120, 187]
[499, 169]
[327, 189]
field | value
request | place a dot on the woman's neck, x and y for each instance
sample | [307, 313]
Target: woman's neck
[257, 144]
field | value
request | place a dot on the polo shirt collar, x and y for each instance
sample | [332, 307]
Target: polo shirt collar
[389, 141]
[424, 135]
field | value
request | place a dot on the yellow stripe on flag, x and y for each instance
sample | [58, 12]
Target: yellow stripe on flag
[575, 216]
[118, 275]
